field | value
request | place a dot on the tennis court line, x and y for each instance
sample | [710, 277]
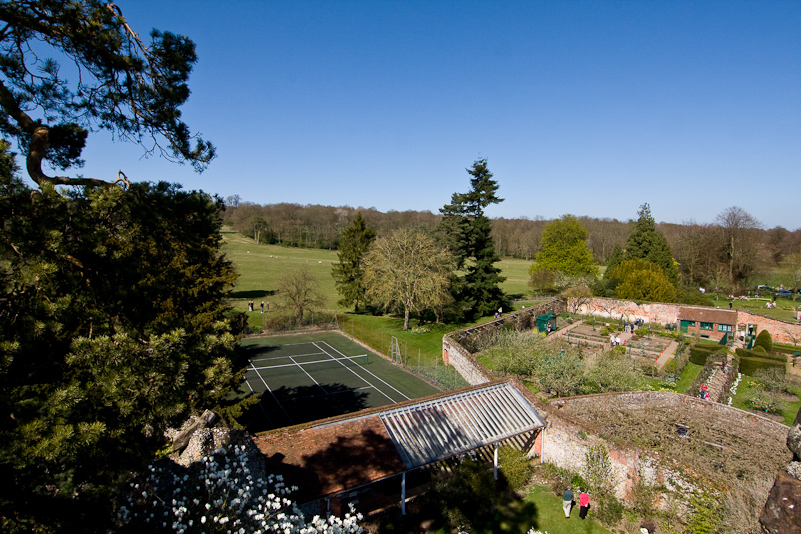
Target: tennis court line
[373, 375]
[269, 419]
[357, 374]
[273, 394]
[307, 374]
[301, 364]
[268, 358]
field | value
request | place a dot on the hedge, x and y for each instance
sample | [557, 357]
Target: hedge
[749, 366]
[699, 354]
[745, 353]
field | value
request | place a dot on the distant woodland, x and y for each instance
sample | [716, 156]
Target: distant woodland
[704, 252]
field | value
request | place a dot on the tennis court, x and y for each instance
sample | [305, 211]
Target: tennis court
[305, 378]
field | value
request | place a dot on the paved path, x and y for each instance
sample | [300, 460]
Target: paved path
[718, 383]
[667, 354]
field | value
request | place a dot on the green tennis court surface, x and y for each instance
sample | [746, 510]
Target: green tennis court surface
[305, 378]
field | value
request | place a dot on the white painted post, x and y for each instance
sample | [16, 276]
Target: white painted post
[495, 461]
[403, 494]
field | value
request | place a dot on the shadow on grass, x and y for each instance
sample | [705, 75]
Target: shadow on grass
[257, 294]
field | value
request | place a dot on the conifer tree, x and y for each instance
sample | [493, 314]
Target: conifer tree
[468, 234]
[349, 272]
[646, 242]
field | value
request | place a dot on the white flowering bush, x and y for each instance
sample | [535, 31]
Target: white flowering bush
[220, 494]
[532, 531]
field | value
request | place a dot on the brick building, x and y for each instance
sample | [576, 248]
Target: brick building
[711, 323]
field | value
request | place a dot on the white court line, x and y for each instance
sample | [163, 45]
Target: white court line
[310, 376]
[268, 358]
[308, 363]
[269, 419]
[271, 393]
[362, 367]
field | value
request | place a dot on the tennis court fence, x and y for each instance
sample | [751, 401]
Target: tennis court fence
[414, 358]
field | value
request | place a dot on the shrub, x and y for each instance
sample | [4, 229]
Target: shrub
[764, 340]
[750, 366]
[759, 352]
[609, 510]
[759, 348]
[699, 354]
[515, 467]
[765, 402]
[670, 367]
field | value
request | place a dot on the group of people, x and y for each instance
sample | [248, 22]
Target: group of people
[568, 502]
[614, 340]
[252, 305]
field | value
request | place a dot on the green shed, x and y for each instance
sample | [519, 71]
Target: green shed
[544, 320]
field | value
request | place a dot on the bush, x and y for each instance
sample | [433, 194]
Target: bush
[699, 354]
[760, 349]
[515, 467]
[750, 366]
[764, 340]
[765, 402]
[760, 352]
[609, 510]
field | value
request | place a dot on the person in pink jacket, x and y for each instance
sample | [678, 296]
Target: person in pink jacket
[584, 503]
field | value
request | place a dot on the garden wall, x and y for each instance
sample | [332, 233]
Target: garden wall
[571, 430]
[780, 331]
[458, 347]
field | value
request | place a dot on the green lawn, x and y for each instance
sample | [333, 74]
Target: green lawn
[746, 387]
[688, 376]
[783, 309]
[551, 518]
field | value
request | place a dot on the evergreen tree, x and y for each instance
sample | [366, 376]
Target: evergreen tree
[647, 243]
[129, 87]
[468, 234]
[112, 327]
[349, 272]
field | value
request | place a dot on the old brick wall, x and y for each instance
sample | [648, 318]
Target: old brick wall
[780, 331]
[631, 311]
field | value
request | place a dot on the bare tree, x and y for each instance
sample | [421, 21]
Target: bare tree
[299, 291]
[739, 244]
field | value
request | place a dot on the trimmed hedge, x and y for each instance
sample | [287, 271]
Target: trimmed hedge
[699, 354]
[765, 340]
[745, 353]
[749, 366]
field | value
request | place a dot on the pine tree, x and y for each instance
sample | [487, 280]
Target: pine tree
[647, 243]
[349, 272]
[468, 234]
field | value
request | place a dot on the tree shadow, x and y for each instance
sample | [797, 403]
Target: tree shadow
[286, 406]
[255, 294]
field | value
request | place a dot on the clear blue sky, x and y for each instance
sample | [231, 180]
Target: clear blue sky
[590, 108]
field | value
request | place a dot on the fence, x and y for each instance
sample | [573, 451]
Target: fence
[415, 358]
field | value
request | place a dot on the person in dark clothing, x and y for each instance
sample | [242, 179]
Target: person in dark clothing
[567, 502]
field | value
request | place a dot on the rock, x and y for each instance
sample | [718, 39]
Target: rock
[794, 470]
[794, 436]
[782, 513]
[182, 439]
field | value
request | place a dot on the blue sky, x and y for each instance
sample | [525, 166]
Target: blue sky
[590, 108]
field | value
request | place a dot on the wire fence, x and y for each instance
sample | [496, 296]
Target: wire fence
[415, 358]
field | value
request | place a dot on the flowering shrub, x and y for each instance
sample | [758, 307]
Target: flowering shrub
[222, 494]
[532, 531]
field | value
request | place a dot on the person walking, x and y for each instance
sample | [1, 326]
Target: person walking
[567, 502]
[584, 503]
[262, 306]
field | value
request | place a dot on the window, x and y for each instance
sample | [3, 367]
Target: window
[724, 328]
[706, 326]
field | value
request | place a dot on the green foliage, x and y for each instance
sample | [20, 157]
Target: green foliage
[765, 341]
[705, 514]
[699, 354]
[113, 329]
[299, 292]
[642, 280]
[408, 270]
[598, 470]
[515, 467]
[751, 366]
[647, 243]
[467, 232]
[609, 510]
[349, 271]
[643, 499]
[759, 350]
[129, 87]
[561, 373]
[564, 255]
[466, 496]
[765, 401]
[613, 371]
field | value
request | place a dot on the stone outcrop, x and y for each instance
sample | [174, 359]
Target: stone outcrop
[782, 513]
[199, 437]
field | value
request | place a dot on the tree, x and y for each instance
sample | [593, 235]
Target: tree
[561, 373]
[642, 280]
[564, 252]
[792, 267]
[131, 88]
[407, 270]
[647, 243]
[577, 296]
[739, 245]
[467, 232]
[349, 272]
[113, 329]
[299, 292]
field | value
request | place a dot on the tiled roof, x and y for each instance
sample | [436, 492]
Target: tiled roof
[348, 453]
[708, 315]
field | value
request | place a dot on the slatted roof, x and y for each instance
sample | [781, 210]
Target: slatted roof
[434, 430]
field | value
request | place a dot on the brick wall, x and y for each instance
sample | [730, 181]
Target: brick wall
[780, 331]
